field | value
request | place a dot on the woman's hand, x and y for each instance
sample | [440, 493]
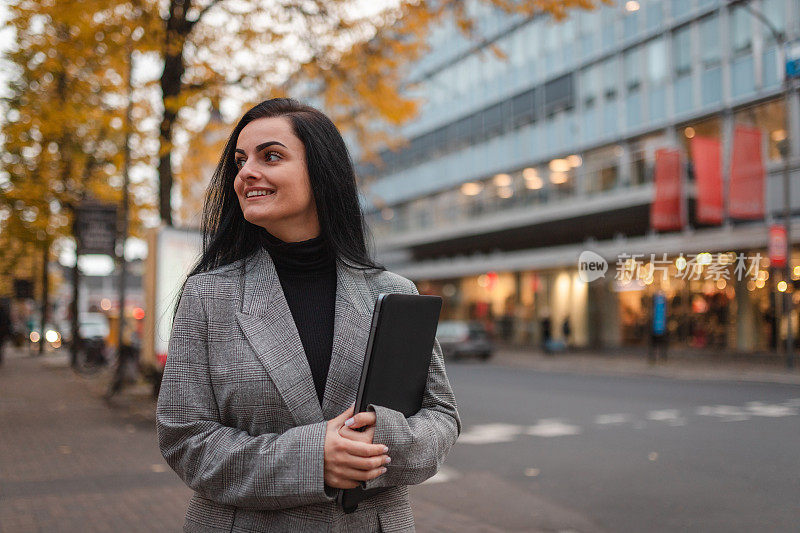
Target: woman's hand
[350, 461]
[364, 423]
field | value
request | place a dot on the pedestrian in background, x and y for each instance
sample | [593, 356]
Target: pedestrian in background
[658, 329]
[566, 330]
[546, 331]
[269, 335]
[5, 325]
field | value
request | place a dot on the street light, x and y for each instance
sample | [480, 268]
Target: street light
[784, 148]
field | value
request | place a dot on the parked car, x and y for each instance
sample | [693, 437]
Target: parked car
[462, 338]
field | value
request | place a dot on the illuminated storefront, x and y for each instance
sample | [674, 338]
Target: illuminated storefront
[710, 304]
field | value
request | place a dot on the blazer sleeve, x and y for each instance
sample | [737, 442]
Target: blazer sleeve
[418, 444]
[222, 463]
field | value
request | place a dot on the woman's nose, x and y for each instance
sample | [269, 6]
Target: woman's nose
[247, 172]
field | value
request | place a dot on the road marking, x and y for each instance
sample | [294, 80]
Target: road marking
[557, 427]
[728, 413]
[490, 433]
[670, 416]
[444, 475]
[612, 419]
[552, 427]
[770, 410]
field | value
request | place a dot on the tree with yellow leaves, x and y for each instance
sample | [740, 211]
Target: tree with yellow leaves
[63, 131]
[64, 126]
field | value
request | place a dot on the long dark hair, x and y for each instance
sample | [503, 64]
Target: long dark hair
[228, 237]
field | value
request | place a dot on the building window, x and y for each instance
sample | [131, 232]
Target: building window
[630, 24]
[770, 118]
[657, 60]
[679, 8]
[654, 14]
[741, 30]
[710, 53]
[775, 11]
[561, 175]
[710, 40]
[632, 67]
[590, 85]
[742, 67]
[608, 27]
[601, 169]
[610, 70]
[682, 65]
[682, 51]
[632, 62]
[643, 157]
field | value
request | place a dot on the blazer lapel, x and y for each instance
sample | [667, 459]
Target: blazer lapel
[351, 325]
[267, 322]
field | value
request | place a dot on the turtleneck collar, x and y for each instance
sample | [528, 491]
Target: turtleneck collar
[312, 256]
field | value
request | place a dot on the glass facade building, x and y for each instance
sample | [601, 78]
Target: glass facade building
[517, 164]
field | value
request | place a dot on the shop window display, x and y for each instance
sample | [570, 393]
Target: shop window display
[701, 313]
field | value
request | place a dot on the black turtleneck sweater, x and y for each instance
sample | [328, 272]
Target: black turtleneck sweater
[307, 273]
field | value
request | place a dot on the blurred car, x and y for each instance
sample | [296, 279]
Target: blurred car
[93, 326]
[463, 338]
[90, 326]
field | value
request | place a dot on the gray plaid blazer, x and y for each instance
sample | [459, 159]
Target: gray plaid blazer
[238, 417]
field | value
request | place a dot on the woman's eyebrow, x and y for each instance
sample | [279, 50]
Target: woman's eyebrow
[261, 146]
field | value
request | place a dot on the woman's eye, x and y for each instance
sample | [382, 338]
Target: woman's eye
[276, 156]
[239, 163]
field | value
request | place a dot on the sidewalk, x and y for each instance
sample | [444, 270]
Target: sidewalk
[69, 463]
[713, 367]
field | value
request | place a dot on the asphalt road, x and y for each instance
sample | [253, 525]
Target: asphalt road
[569, 452]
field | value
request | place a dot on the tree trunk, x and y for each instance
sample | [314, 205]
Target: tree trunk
[45, 295]
[170, 90]
[177, 29]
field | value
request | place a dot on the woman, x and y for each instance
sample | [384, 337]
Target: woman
[269, 334]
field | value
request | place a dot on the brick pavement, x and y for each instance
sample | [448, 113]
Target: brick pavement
[71, 463]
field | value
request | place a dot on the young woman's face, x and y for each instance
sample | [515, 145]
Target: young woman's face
[272, 184]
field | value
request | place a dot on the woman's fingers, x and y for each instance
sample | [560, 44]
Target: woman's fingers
[366, 435]
[367, 418]
[362, 449]
[345, 415]
[366, 463]
[361, 475]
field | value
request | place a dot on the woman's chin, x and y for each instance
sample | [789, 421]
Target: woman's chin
[261, 219]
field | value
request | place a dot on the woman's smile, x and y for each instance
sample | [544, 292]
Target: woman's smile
[257, 195]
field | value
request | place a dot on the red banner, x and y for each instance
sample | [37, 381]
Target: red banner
[746, 194]
[666, 211]
[707, 156]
